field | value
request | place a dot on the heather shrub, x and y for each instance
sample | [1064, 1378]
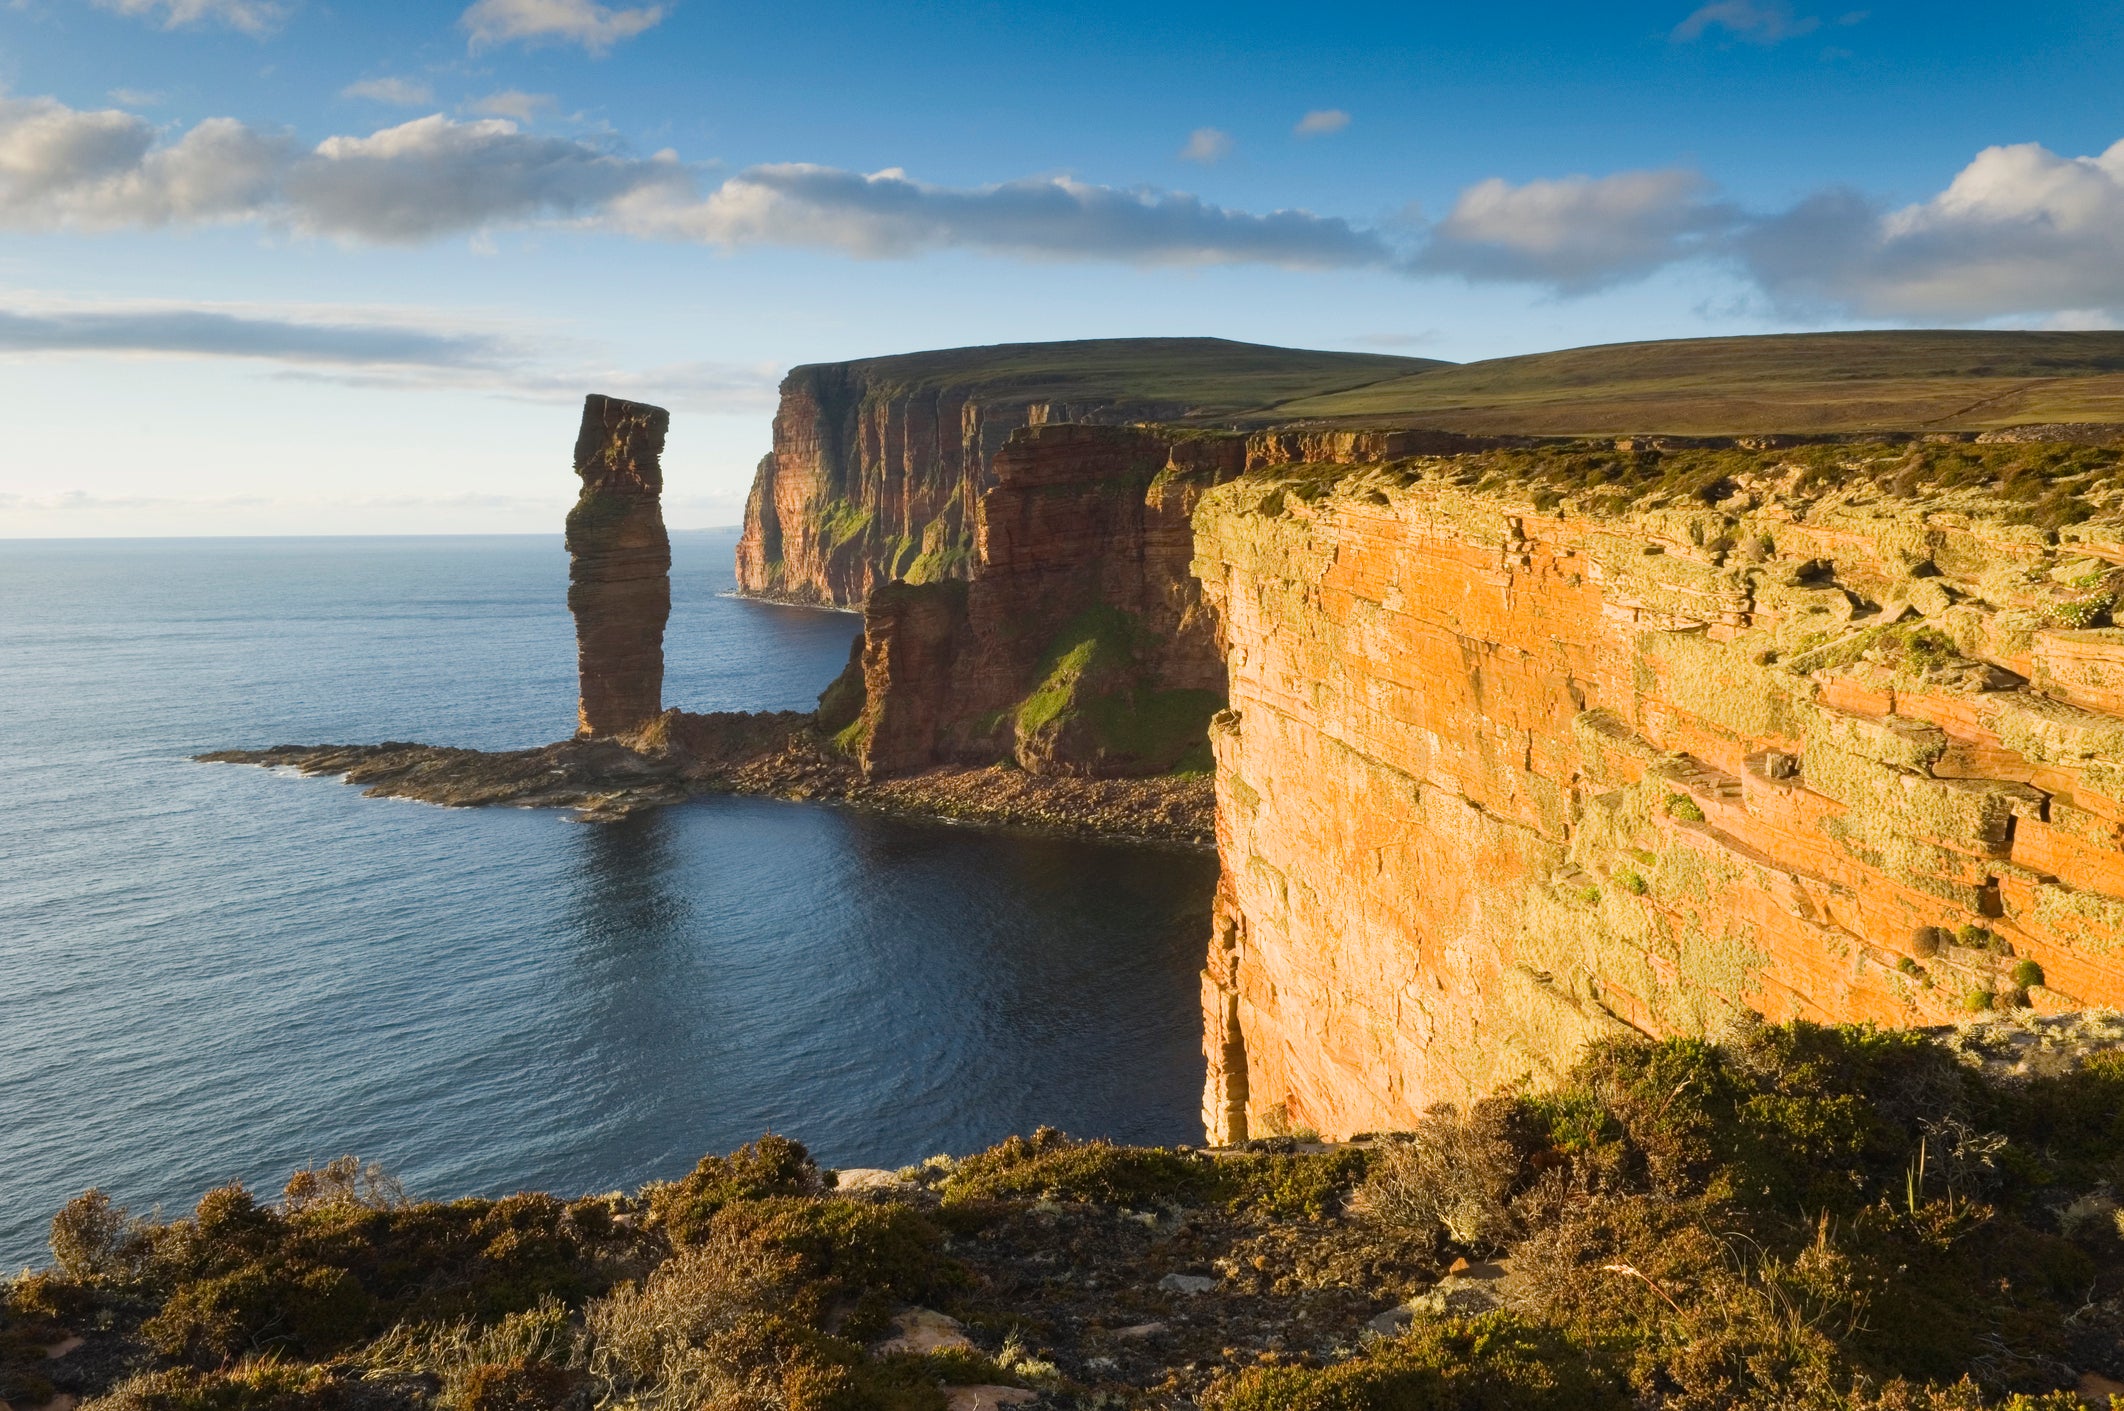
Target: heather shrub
[240, 1277]
[1049, 1164]
[768, 1167]
[264, 1385]
[1493, 1363]
[1450, 1178]
[94, 1240]
[456, 1355]
[343, 1182]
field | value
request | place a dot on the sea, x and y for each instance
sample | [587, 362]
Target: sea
[214, 973]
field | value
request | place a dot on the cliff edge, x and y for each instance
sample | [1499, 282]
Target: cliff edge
[1533, 747]
[879, 464]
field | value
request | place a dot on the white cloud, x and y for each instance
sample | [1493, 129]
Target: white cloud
[1575, 233]
[887, 214]
[254, 17]
[2020, 230]
[434, 176]
[1770, 22]
[596, 27]
[134, 97]
[1322, 122]
[372, 347]
[404, 92]
[64, 167]
[41, 326]
[513, 104]
[1207, 145]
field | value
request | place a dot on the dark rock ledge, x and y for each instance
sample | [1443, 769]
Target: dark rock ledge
[779, 755]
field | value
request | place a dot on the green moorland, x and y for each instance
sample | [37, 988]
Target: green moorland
[1211, 377]
[1792, 1217]
[1804, 383]
[1800, 383]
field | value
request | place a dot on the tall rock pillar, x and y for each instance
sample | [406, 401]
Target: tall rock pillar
[619, 565]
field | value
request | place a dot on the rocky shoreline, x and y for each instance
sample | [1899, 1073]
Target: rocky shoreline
[782, 755]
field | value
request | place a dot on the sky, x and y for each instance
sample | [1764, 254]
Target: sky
[316, 267]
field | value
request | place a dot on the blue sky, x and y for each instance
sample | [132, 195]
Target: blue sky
[301, 267]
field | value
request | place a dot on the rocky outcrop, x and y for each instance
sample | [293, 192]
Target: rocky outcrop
[1079, 646]
[1531, 748]
[619, 565]
[868, 484]
[681, 756]
[879, 465]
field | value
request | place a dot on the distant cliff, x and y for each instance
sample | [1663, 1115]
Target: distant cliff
[879, 465]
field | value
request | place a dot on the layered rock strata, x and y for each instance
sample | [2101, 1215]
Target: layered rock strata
[619, 565]
[1078, 646]
[867, 484]
[879, 465]
[1508, 768]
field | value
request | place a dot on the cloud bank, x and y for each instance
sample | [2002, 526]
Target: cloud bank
[587, 23]
[1576, 234]
[254, 17]
[373, 348]
[2020, 231]
[887, 215]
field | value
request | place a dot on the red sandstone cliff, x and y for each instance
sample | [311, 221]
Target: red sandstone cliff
[619, 565]
[879, 465]
[1078, 645]
[867, 484]
[1507, 768]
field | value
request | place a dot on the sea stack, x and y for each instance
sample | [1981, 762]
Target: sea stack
[619, 565]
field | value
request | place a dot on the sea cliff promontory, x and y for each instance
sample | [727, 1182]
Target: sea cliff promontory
[1529, 748]
[879, 465]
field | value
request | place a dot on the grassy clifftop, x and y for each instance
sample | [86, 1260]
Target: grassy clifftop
[1811, 382]
[1791, 1217]
[1210, 376]
[1804, 382]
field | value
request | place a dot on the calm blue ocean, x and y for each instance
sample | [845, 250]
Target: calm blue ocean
[211, 973]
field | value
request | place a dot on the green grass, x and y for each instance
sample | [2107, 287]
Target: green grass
[1802, 382]
[1206, 376]
[1092, 672]
[1811, 382]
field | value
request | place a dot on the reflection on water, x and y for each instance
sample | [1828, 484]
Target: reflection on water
[214, 973]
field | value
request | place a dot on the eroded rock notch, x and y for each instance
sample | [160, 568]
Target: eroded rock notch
[619, 565]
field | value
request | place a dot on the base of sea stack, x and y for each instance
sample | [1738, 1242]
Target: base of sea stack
[681, 756]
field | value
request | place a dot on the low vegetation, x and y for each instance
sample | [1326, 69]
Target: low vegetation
[1794, 1216]
[2046, 484]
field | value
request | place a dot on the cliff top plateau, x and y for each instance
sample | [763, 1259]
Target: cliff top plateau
[1796, 1216]
[1187, 376]
[1821, 383]
[1802, 382]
